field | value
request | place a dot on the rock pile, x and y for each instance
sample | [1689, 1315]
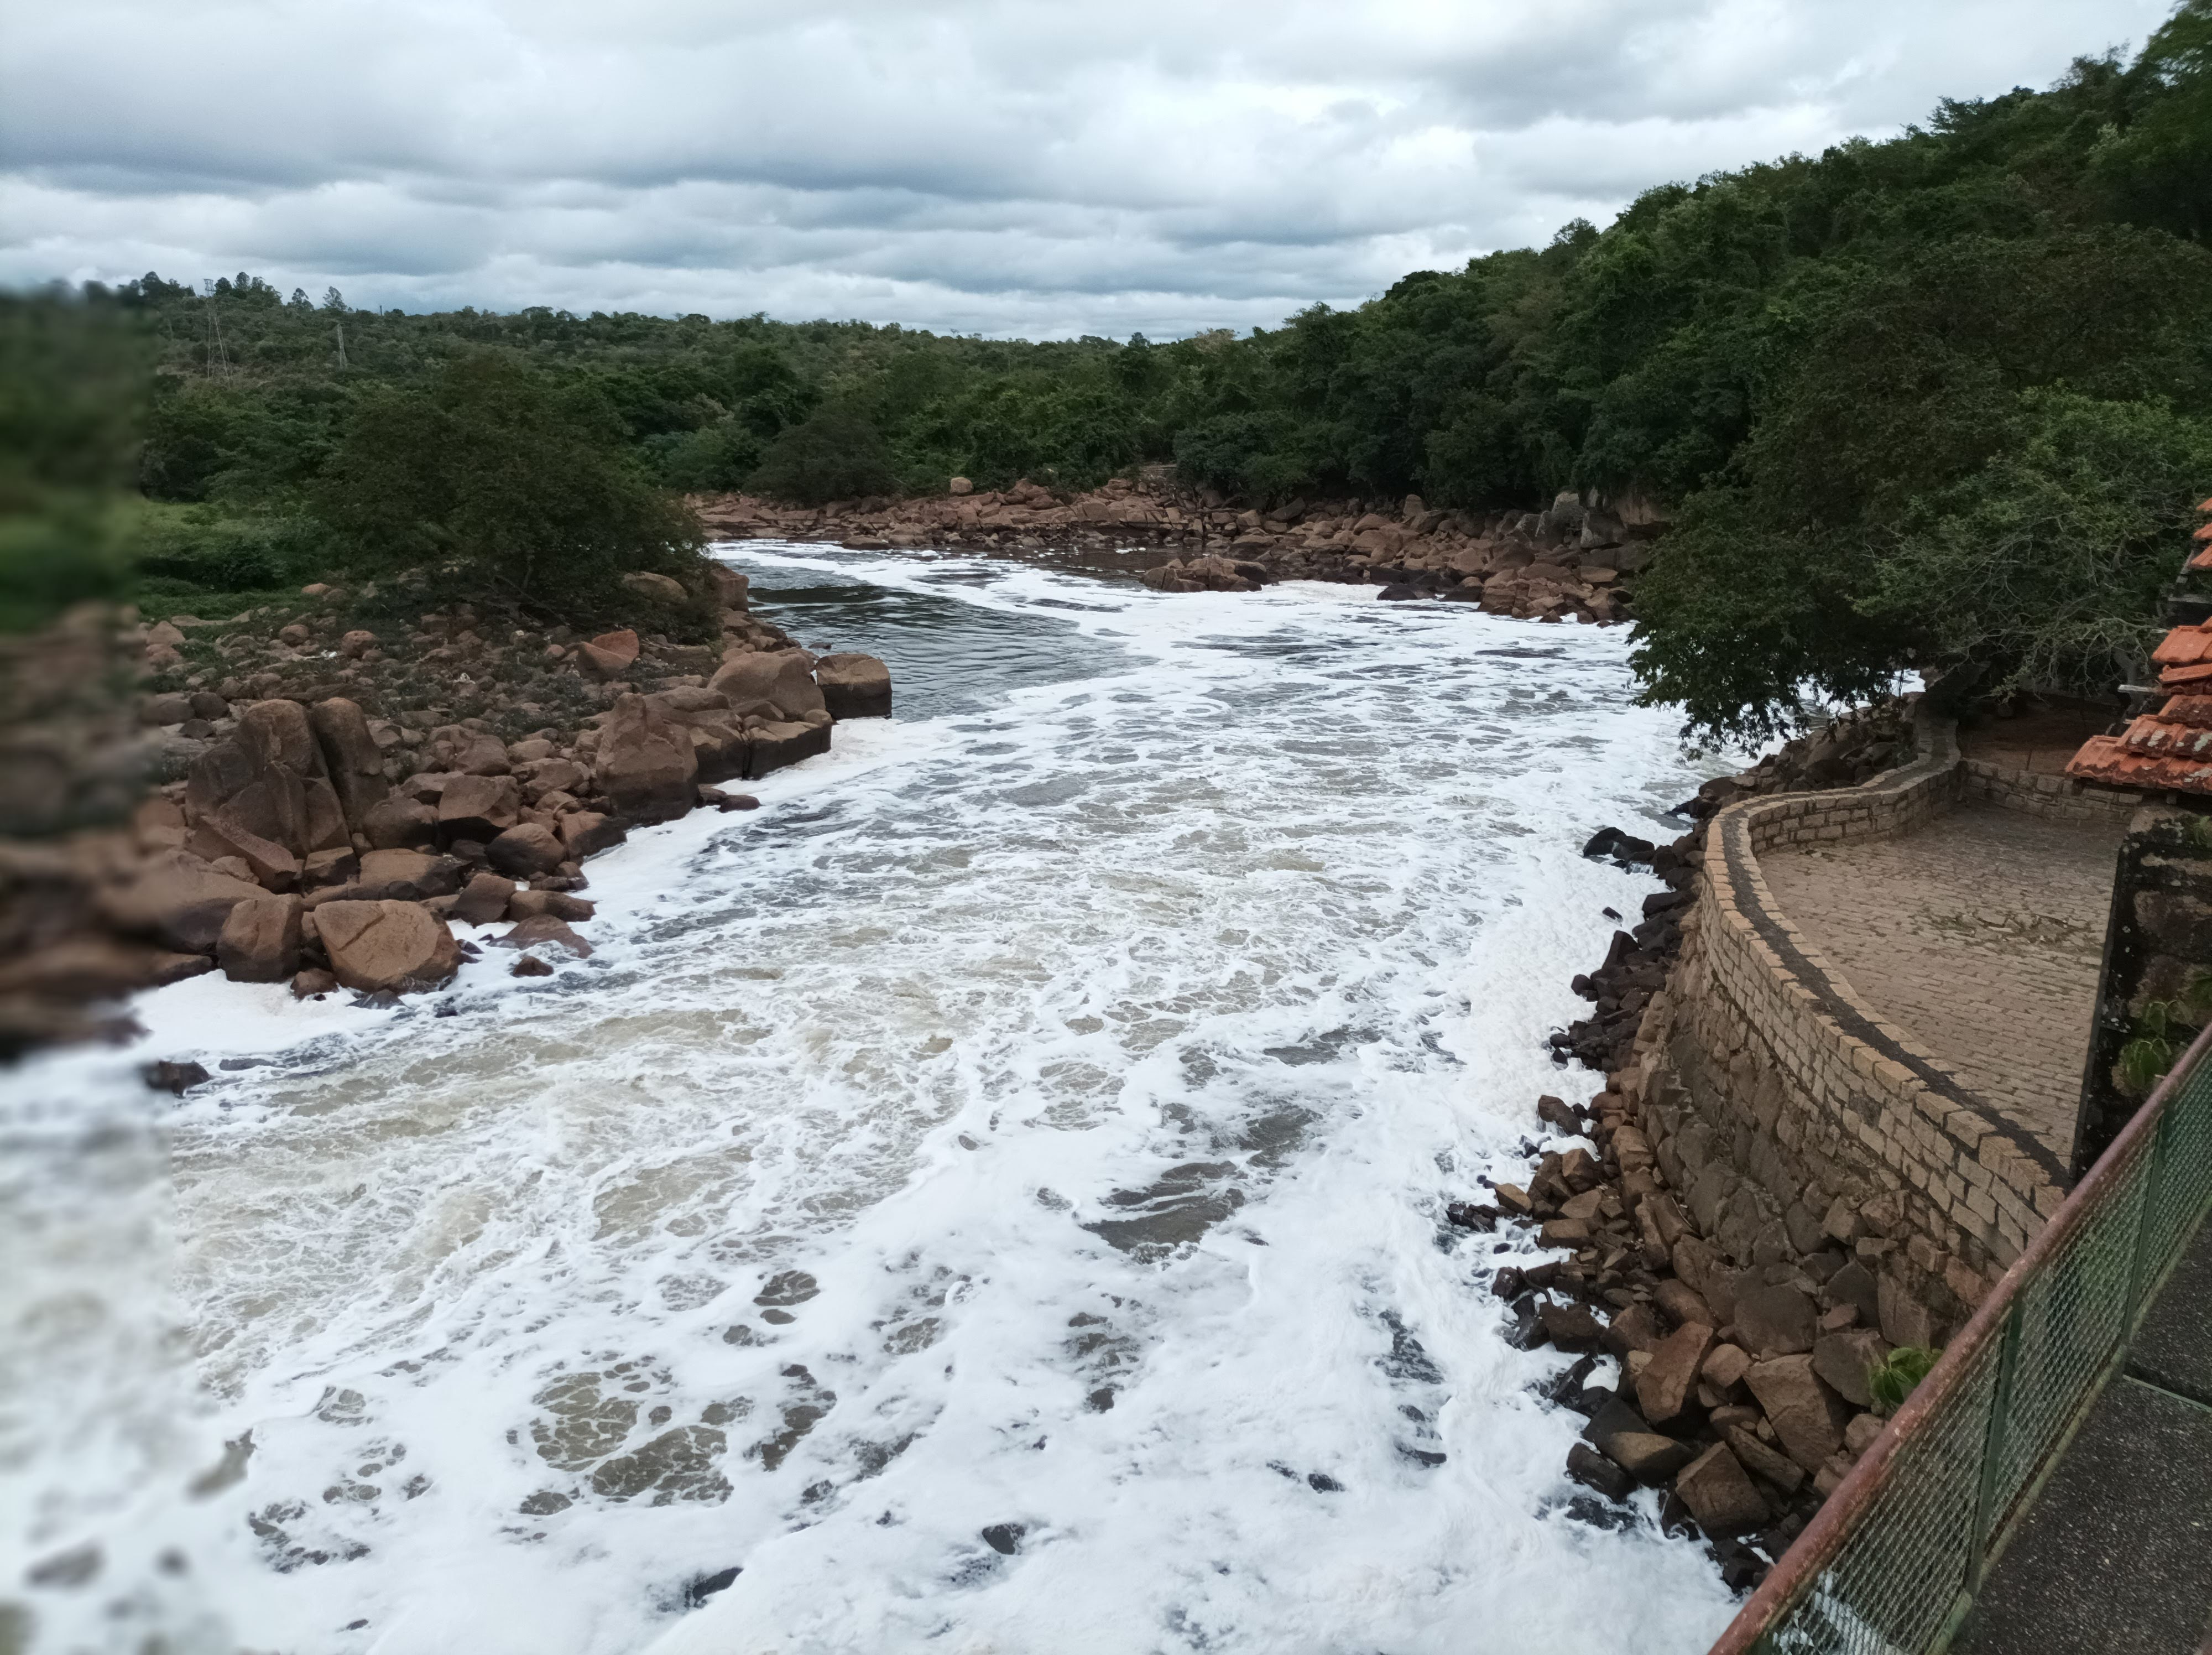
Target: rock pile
[1572, 560]
[331, 797]
[1744, 1341]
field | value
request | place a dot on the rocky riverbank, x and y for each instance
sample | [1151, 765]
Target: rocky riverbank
[1743, 1350]
[336, 782]
[1576, 559]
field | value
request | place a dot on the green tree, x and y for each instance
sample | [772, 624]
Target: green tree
[504, 481]
[836, 454]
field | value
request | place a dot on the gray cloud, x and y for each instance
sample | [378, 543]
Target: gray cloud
[969, 165]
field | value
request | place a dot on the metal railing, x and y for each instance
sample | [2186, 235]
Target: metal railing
[1897, 1555]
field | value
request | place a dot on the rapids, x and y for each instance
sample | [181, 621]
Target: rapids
[991, 1197]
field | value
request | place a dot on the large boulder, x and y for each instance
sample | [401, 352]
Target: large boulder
[483, 899]
[587, 832]
[1719, 1495]
[526, 849]
[1775, 1321]
[479, 807]
[718, 734]
[351, 757]
[645, 761]
[783, 679]
[399, 946]
[398, 824]
[405, 876]
[854, 685]
[262, 796]
[661, 588]
[1667, 1382]
[1809, 1417]
[540, 776]
[260, 940]
[178, 900]
[772, 747]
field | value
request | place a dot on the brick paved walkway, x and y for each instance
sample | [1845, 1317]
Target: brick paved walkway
[1980, 937]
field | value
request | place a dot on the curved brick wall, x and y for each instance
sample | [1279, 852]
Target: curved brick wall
[1789, 1107]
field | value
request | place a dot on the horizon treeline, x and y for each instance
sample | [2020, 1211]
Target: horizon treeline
[1943, 398]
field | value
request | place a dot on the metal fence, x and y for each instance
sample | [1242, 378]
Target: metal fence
[1894, 1559]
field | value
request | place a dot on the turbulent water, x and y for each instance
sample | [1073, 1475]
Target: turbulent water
[991, 1197]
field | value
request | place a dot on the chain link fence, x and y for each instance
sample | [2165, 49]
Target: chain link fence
[1892, 1563]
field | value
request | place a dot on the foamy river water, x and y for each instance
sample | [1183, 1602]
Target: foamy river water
[991, 1197]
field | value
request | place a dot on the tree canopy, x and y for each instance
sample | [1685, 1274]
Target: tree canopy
[1856, 384]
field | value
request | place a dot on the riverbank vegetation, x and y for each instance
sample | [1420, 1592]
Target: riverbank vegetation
[1937, 398]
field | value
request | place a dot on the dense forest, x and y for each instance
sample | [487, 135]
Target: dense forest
[1941, 398]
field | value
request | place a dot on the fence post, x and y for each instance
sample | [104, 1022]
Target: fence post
[1993, 1447]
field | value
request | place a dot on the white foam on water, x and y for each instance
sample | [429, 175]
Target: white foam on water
[992, 1195]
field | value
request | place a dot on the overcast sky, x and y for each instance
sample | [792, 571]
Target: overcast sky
[996, 168]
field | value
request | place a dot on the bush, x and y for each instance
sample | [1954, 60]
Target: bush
[1899, 1374]
[834, 455]
[505, 483]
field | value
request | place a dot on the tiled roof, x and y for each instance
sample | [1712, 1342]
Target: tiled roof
[2169, 749]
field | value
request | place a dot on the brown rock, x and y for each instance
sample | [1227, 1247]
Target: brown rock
[479, 807]
[528, 904]
[1662, 1389]
[260, 940]
[783, 678]
[483, 899]
[313, 983]
[645, 761]
[1594, 1470]
[547, 775]
[611, 654]
[1564, 1233]
[526, 849]
[400, 823]
[854, 686]
[661, 588]
[542, 929]
[1806, 1415]
[1855, 1285]
[1760, 1461]
[1719, 1495]
[1681, 1304]
[587, 833]
[1775, 1320]
[530, 966]
[1859, 1434]
[1725, 1367]
[1648, 1457]
[94, 967]
[400, 946]
[1842, 1360]
[177, 899]
[476, 753]
[1634, 1328]
[1666, 1216]
[351, 755]
[1569, 1326]
[405, 876]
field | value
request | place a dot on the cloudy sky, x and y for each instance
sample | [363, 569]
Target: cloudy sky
[1001, 168]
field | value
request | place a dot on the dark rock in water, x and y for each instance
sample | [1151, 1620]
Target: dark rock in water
[178, 1078]
[531, 965]
[700, 1588]
[1004, 1538]
[1553, 1111]
[1594, 1470]
[1400, 591]
[1566, 1386]
[1508, 1283]
[1526, 1332]
[1466, 1215]
[1664, 902]
[738, 802]
[1598, 1514]
[1621, 846]
[1322, 1483]
[1569, 1327]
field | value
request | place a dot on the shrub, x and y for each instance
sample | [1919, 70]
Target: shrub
[833, 455]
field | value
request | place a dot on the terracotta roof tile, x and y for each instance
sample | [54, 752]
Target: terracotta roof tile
[2109, 759]
[2203, 531]
[2205, 505]
[2203, 559]
[2195, 711]
[2183, 647]
[2160, 737]
[2182, 677]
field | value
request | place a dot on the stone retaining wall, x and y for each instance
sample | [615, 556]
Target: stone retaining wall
[2057, 798]
[1791, 1114]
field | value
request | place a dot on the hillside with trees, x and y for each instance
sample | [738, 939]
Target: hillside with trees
[1945, 397]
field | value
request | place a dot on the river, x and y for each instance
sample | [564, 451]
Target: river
[990, 1197]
